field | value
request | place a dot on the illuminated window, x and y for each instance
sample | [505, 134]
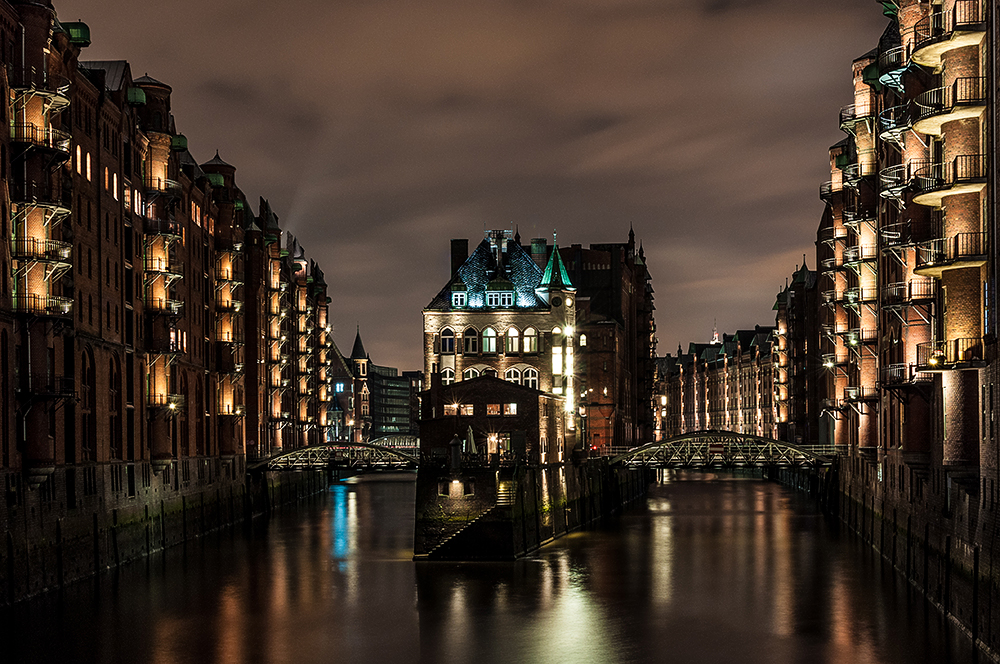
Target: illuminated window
[510, 409]
[489, 340]
[583, 339]
[493, 409]
[512, 375]
[458, 299]
[364, 409]
[450, 409]
[557, 360]
[466, 409]
[447, 376]
[340, 387]
[530, 378]
[88, 167]
[114, 190]
[513, 339]
[79, 160]
[507, 299]
[470, 373]
[107, 179]
[447, 340]
[493, 299]
[471, 339]
[530, 344]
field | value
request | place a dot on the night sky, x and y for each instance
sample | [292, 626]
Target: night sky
[381, 129]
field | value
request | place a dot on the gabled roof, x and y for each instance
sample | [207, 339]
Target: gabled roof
[481, 268]
[116, 72]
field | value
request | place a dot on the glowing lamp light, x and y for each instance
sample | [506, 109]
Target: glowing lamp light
[933, 361]
[828, 364]
[172, 406]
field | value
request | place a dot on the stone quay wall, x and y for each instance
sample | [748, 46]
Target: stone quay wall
[942, 540]
[483, 512]
[48, 544]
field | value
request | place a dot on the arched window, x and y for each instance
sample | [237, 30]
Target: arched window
[489, 340]
[470, 373]
[513, 341]
[530, 378]
[512, 375]
[471, 339]
[583, 340]
[530, 344]
[447, 376]
[490, 372]
[447, 340]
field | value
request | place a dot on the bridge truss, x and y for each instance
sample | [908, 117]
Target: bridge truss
[389, 453]
[720, 449]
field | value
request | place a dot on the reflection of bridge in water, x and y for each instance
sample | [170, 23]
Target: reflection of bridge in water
[389, 453]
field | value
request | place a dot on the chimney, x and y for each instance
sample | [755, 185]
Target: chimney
[539, 251]
[459, 254]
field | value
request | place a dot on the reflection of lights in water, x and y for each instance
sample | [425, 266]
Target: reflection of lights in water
[345, 525]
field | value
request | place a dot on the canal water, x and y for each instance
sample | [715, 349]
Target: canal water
[713, 568]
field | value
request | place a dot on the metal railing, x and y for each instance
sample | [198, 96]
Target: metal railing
[170, 227]
[966, 91]
[52, 386]
[894, 121]
[860, 252]
[36, 192]
[943, 251]
[859, 294]
[949, 354]
[32, 78]
[931, 176]
[162, 185]
[169, 401]
[862, 393]
[893, 179]
[163, 266]
[893, 59]
[42, 305]
[968, 15]
[42, 137]
[852, 113]
[41, 249]
[162, 305]
[909, 291]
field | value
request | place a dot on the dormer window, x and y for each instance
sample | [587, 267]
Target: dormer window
[506, 299]
[493, 299]
[458, 299]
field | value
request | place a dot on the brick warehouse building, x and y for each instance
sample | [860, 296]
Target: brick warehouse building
[576, 323]
[155, 333]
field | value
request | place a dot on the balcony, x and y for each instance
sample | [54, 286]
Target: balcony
[891, 65]
[162, 187]
[43, 305]
[860, 253]
[226, 361]
[227, 276]
[43, 250]
[893, 180]
[827, 191]
[168, 228]
[965, 98]
[832, 297]
[902, 375]
[43, 138]
[831, 360]
[962, 250]
[54, 89]
[162, 266]
[935, 180]
[854, 173]
[165, 307]
[860, 394]
[906, 293]
[857, 295]
[896, 235]
[894, 122]
[857, 336]
[228, 306]
[853, 114]
[35, 195]
[164, 344]
[229, 337]
[170, 402]
[832, 264]
[950, 355]
[935, 35]
[44, 386]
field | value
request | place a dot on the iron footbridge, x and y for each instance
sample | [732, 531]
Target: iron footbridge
[391, 453]
[723, 449]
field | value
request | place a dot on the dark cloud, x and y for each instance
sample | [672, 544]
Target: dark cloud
[379, 129]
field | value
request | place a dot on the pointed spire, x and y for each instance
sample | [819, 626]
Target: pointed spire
[358, 352]
[556, 275]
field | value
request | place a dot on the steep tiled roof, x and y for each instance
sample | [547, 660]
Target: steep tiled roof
[555, 272]
[358, 352]
[480, 268]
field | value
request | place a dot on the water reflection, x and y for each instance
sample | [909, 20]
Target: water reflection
[712, 569]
